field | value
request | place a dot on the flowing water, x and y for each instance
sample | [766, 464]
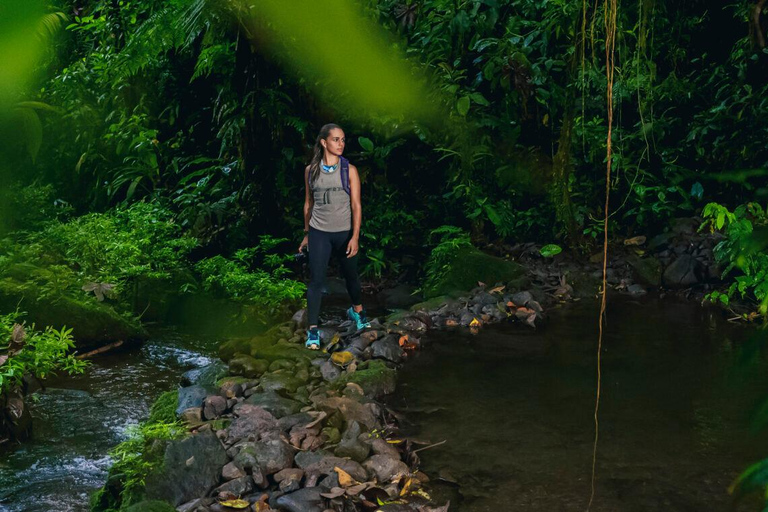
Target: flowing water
[77, 420]
[515, 408]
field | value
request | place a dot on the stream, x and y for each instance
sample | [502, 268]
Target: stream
[513, 405]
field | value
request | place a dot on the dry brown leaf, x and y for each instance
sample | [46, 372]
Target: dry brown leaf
[355, 387]
[498, 289]
[3, 359]
[635, 240]
[403, 340]
[345, 480]
[357, 489]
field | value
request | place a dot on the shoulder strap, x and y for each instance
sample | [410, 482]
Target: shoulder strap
[345, 175]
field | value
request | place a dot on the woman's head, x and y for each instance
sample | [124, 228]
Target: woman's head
[330, 139]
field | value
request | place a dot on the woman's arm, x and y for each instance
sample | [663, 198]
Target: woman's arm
[308, 203]
[357, 210]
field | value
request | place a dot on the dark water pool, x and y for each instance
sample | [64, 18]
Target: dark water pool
[515, 408]
[77, 420]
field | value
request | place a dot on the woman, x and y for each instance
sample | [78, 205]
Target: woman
[332, 216]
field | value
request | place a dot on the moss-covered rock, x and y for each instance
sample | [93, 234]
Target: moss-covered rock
[376, 379]
[647, 270]
[270, 346]
[94, 323]
[470, 265]
[247, 366]
[151, 506]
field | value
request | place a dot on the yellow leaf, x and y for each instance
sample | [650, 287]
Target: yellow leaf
[407, 486]
[345, 480]
[342, 358]
[474, 323]
[498, 289]
[235, 503]
[635, 240]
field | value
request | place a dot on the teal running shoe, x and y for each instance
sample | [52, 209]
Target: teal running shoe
[313, 340]
[360, 319]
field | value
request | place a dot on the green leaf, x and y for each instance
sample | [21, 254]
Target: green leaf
[550, 250]
[479, 99]
[365, 143]
[462, 106]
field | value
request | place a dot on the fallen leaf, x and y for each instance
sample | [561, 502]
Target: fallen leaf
[498, 289]
[342, 358]
[334, 340]
[475, 323]
[262, 505]
[407, 486]
[345, 480]
[235, 503]
[511, 304]
[320, 416]
[635, 240]
[357, 489]
[352, 367]
[480, 283]
[355, 387]
[403, 340]
[3, 359]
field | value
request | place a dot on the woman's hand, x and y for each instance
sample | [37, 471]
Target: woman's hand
[352, 247]
[304, 243]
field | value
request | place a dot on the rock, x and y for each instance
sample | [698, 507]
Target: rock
[252, 421]
[191, 506]
[288, 422]
[306, 459]
[388, 348]
[325, 467]
[151, 506]
[214, 406]
[468, 266]
[230, 471]
[467, 318]
[377, 379]
[299, 319]
[351, 409]
[265, 346]
[238, 486]
[192, 415]
[330, 371]
[521, 298]
[269, 456]
[191, 396]
[400, 297]
[384, 468]
[279, 381]
[636, 290]
[484, 298]
[248, 366]
[274, 403]
[647, 270]
[230, 388]
[351, 446]
[205, 376]
[190, 468]
[289, 479]
[303, 500]
[684, 271]
[94, 324]
[382, 447]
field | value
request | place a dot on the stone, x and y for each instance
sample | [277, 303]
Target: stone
[470, 265]
[279, 381]
[400, 297]
[248, 366]
[351, 409]
[385, 468]
[205, 376]
[230, 471]
[151, 506]
[230, 388]
[521, 298]
[238, 486]
[299, 319]
[325, 467]
[269, 456]
[382, 447]
[636, 289]
[330, 371]
[306, 459]
[647, 270]
[684, 271]
[190, 396]
[289, 479]
[190, 468]
[288, 422]
[214, 406]
[484, 299]
[192, 415]
[303, 500]
[377, 379]
[252, 421]
[388, 348]
[190, 506]
[350, 446]
[274, 403]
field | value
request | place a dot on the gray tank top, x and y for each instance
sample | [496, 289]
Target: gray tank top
[332, 211]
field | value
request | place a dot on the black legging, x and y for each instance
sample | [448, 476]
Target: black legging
[321, 246]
